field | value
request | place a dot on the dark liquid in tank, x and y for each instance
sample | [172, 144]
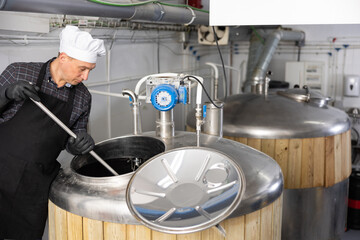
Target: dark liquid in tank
[96, 169]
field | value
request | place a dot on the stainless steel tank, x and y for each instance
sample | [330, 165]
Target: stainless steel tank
[84, 192]
[311, 142]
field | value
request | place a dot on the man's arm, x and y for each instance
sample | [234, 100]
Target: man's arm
[13, 90]
[7, 77]
[3, 100]
[83, 143]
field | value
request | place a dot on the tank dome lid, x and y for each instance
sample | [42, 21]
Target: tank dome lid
[286, 114]
[283, 114]
[193, 189]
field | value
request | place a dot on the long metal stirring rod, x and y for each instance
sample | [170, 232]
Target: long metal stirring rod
[72, 134]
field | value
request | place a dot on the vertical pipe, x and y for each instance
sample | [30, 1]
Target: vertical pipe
[336, 74]
[137, 118]
[158, 52]
[186, 65]
[214, 83]
[135, 104]
[230, 72]
[165, 126]
[108, 99]
[343, 72]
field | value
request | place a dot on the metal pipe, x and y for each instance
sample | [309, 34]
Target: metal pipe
[113, 94]
[149, 12]
[216, 80]
[72, 134]
[239, 73]
[108, 100]
[135, 109]
[255, 49]
[199, 122]
[271, 44]
[165, 126]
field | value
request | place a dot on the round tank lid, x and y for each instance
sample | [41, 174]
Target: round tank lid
[185, 190]
[305, 95]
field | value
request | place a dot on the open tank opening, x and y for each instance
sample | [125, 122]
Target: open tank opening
[120, 154]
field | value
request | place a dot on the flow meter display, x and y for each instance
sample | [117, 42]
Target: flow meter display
[164, 97]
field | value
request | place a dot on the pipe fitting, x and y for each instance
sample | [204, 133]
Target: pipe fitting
[135, 104]
[161, 12]
[193, 17]
[132, 95]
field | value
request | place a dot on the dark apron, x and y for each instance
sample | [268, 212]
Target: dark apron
[29, 144]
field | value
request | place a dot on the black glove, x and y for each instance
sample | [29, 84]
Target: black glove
[22, 90]
[82, 144]
[17, 91]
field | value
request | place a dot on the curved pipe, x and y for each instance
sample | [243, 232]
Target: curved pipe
[148, 12]
[132, 95]
[135, 109]
[271, 43]
[142, 80]
[216, 81]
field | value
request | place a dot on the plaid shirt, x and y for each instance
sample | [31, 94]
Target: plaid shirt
[29, 72]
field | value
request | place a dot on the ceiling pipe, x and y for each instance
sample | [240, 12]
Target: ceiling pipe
[152, 12]
[271, 43]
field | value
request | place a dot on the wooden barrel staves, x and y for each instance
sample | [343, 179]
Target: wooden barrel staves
[308, 162]
[264, 224]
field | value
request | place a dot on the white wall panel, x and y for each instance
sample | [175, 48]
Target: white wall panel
[275, 12]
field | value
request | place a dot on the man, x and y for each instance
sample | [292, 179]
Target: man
[30, 141]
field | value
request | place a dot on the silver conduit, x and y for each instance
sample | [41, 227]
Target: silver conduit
[271, 43]
[255, 50]
[150, 12]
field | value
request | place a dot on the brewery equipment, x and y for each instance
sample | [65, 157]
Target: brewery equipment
[182, 184]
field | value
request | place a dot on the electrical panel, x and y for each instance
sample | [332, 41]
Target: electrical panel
[305, 73]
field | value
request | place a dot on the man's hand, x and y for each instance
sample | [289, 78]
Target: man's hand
[82, 144]
[22, 90]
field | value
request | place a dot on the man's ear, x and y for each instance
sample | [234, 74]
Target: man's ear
[63, 57]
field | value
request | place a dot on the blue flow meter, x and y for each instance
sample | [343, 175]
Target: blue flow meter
[164, 97]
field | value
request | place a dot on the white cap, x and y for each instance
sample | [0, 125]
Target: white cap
[80, 45]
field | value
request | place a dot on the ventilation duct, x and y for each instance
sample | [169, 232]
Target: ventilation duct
[271, 43]
[255, 50]
[149, 12]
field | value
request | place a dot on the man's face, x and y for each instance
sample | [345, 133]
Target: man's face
[76, 71]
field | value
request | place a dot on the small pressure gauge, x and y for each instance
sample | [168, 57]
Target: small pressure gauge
[164, 97]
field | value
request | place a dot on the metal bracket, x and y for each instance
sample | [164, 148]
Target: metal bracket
[193, 17]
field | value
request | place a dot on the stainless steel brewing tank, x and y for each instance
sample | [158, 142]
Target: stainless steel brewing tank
[311, 142]
[276, 117]
[103, 198]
